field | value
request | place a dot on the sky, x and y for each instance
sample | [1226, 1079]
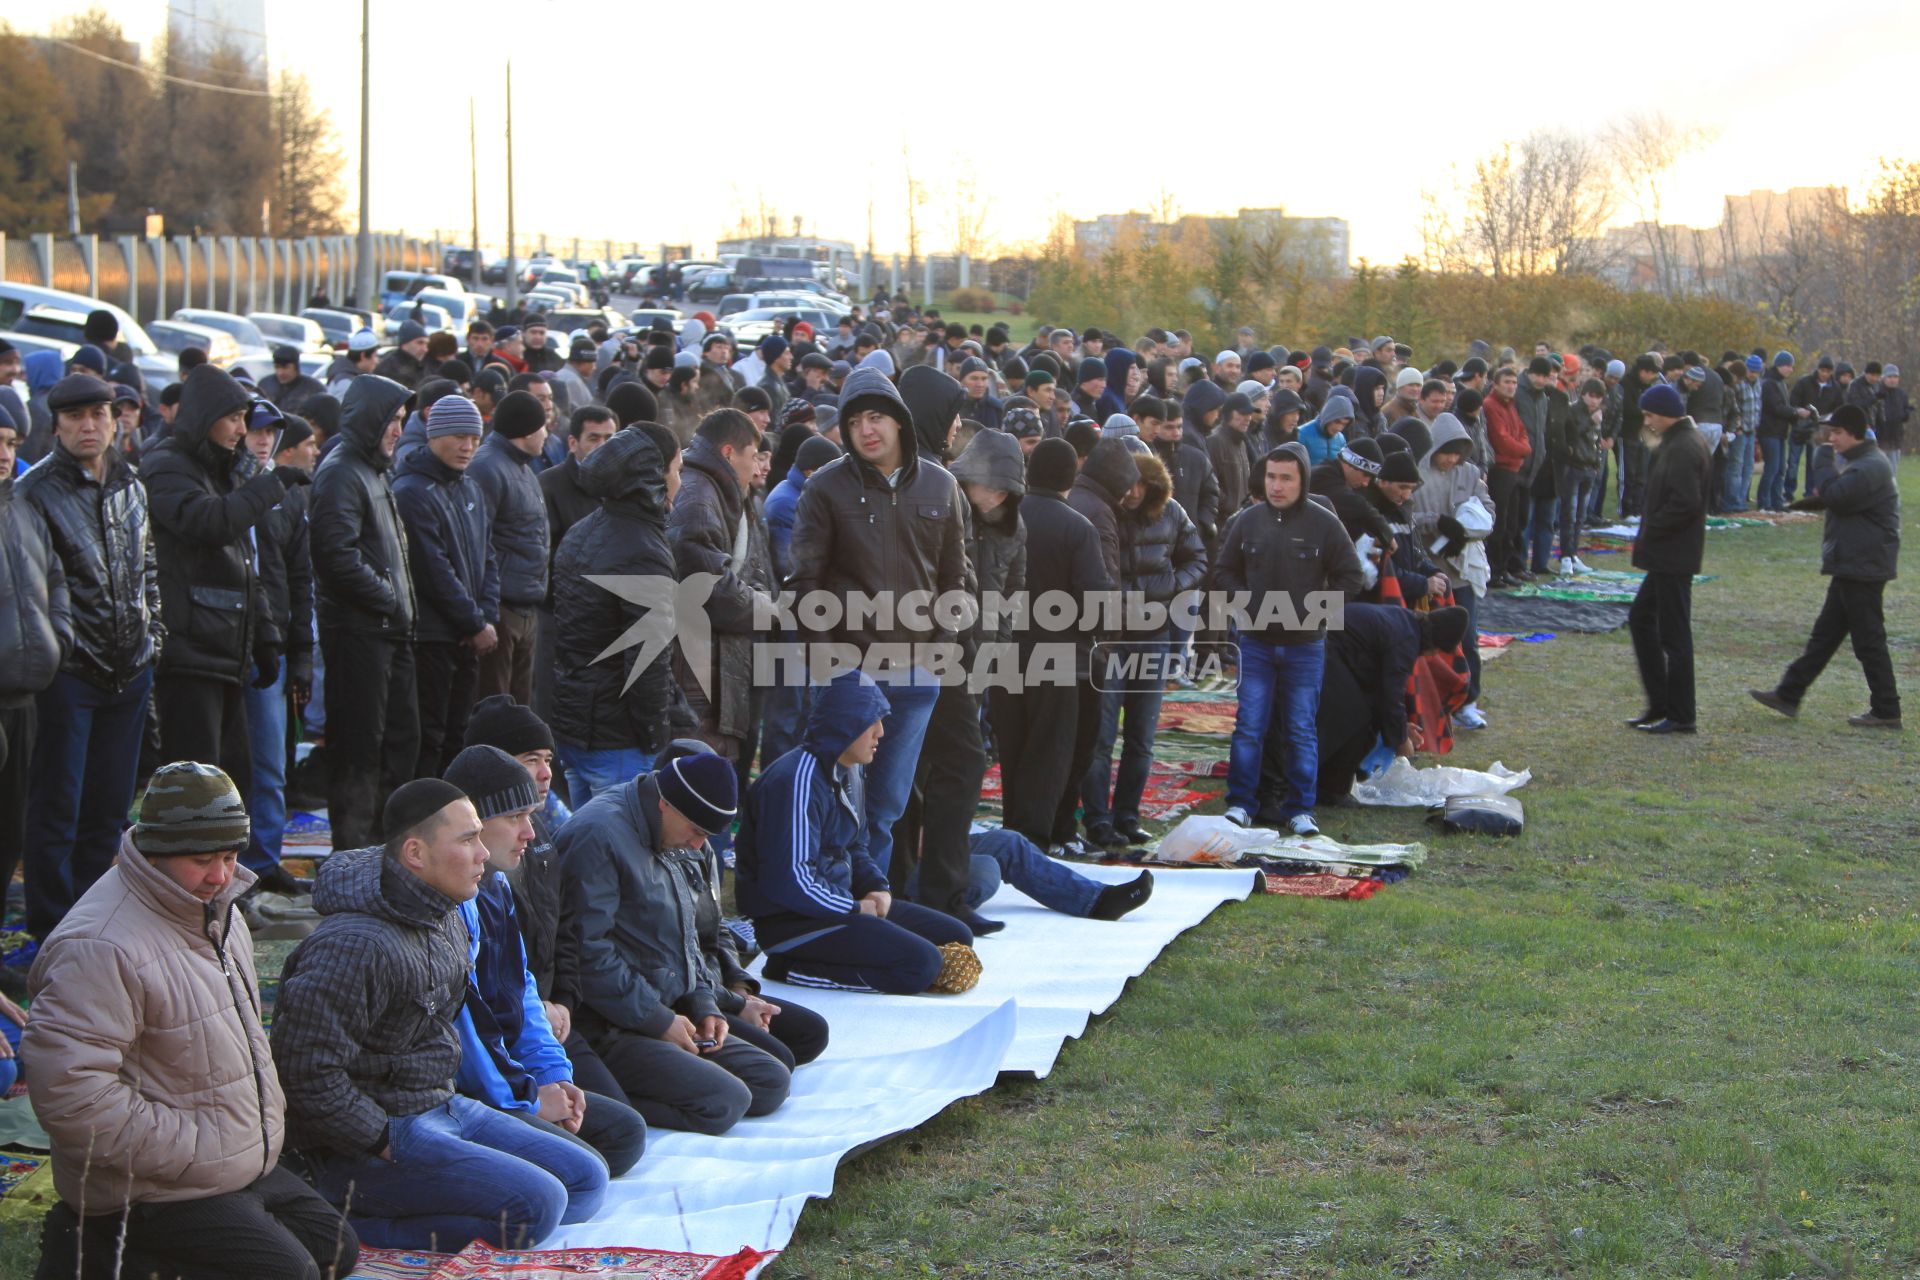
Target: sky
[663, 123]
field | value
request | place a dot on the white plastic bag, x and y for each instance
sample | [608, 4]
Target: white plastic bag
[1404, 786]
[1474, 518]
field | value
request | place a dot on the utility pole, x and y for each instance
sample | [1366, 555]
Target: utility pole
[363, 243]
[513, 266]
[473, 160]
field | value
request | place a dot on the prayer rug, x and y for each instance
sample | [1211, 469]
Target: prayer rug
[1167, 794]
[478, 1261]
[26, 1189]
[1321, 886]
[1212, 717]
[1527, 615]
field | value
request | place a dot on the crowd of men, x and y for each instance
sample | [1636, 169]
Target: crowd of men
[521, 962]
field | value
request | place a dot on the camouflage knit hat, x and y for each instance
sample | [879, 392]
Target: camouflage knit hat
[190, 808]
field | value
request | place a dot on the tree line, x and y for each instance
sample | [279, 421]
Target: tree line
[155, 138]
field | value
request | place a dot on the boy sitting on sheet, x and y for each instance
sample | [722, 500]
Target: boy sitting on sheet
[510, 1057]
[820, 907]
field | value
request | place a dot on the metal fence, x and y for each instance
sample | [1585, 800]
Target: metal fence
[152, 277]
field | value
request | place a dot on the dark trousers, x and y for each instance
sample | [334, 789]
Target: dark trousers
[373, 729]
[589, 1072]
[509, 668]
[796, 1036]
[205, 720]
[931, 837]
[899, 955]
[702, 1093]
[80, 786]
[446, 673]
[1034, 730]
[16, 758]
[1853, 608]
[1503, 547]
[1633, 471]
[278, 1227]
[1661, 623]
[610, 1128]
[1086, 735]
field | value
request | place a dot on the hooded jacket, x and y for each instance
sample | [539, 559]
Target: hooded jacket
[101, 535]
[1441, 492]
[206, 503]
[1673, 520]
[1161, 551]
[1368, 420]
[710, 522]
[1098, 490]
[1777, 417]
[1229, 452]
[364, 1027]
[43, 369]
[802, 851]
[854, 530]
[516, 518]
[359, 544]
[997, 543]
[934, 399]
[36, 616]
[508, 1051]
[1194, 486]
[1293, 550]
[448, 549]
[145, 1055]
[1861, 538]
[629, 930]
[1313, 435]
[602, 704]
[1120, 362]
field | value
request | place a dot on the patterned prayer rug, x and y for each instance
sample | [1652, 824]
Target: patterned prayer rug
[481, 1262]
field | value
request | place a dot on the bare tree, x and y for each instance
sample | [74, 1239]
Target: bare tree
[971, 209]
[916, 196]
[1539, 207]
[1642, 149]
[308, 195]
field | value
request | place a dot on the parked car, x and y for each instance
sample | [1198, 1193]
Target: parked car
[629, 274]
[26, 343]
[432, 318]
[16, 299]
[459, 264]
[548, 299]
[463, 307]
[175, 336]
[749, 327]
[568, 319]
[645, 316]
[244, 331]
[298, 332]
[338, 326]
[398, 286]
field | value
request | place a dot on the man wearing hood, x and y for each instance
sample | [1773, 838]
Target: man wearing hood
[1669, 547]
[1227, 453]
[1449, 478]
[364, 598]
[1287, 545]
[883, 521]
[1369, 394]
[1123, 368]
[207, 495]
[1184, 451]
[1325, 435]
[821, 906]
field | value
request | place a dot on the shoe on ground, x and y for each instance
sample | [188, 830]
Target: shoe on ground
[1470, 717]
[1075, 850]
[1117, 899]
[1566, 566]
[980, 925]
[1868, 720]
[1644, 719]
[1102, 836]
[277, 879]
[1237, 816]
[1581, 566]
[1133, 833]
[1770, 698]
[1302, 824]
[1670, 726]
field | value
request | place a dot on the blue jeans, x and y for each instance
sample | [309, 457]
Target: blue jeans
[1576, 491]
[1142, 710]
[1286, 678]
[1739, 472]
[1541, 518]
[463, 1172]
[1010, 856]
[10, 1067]
[1773, 475]
[591, 772]
[85, 760]
[314, 715]
[267, 806]
[911, 696]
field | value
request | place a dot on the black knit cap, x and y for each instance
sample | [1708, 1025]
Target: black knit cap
[1052, 466]
[1445, 628]
[703, 787]
[493, 780]
[501, 722]
[1400, 467]
[518, 415]
[414, 802]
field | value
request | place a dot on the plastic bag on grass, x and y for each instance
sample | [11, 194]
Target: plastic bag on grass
[1404, 786]
[1210, 840]
[1480, 815]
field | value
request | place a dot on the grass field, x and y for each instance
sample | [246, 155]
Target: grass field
[1669, 1032]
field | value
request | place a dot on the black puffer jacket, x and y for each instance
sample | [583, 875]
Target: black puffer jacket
[1104, 479]
[997, 541]
[206, 503]
[516, 519]
[360, 571]
[36, 621]
[708, 521]
[455, 575]
[1862, 502]
[364, 1026]
[604, 704]
[286, 578]
[1161, 552]
[853, 532]
[100, 532]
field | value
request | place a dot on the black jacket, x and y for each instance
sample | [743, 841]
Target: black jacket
[601, 704]
[286, 579]
[1380, 644]
[448, 549]
[536, 899]
[1673, 521]
[100, 532]
[1098, 490]
[1862, 502]
[400, 367]
[710, 518]
[853, 532]
[516, 519]
[1161, 551]
[1810, 393]
[1776, 407]
[567, 504]
[996, 542]
[291, 397]
[364, 1026]
[359, 544]
[1195, 487]
[1291, 551]
[36, 619]
[1063, 553]
[207, 504]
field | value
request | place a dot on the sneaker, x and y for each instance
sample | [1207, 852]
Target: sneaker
[1469, 717]
[1302, 824]
[1771, 698]
[1237, 816]
[1581, 566]
[1566, 566]
[1868, 720]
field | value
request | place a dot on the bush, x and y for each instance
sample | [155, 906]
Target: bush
[974, 300]
[1016, 308]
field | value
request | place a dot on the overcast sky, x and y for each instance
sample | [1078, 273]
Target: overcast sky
[663, 122]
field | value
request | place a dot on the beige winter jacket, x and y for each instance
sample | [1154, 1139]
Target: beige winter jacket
[143, 1051]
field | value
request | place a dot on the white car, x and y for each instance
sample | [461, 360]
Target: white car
[433, 319]
[463, 307]
[175, 336]
[17, 299]
[298, 332]
[252, 342]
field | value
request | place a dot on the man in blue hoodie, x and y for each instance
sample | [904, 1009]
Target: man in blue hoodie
[820, 906]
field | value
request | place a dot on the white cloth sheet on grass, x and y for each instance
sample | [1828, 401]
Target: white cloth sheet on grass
[892, 1063]
[1402, 785]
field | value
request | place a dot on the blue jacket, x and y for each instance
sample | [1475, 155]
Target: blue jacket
[1319, 448]
[802, 850]
[779, 510]
[507, 1048]
[449, 549]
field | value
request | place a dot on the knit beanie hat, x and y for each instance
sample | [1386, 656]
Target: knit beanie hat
[1038, 378]
[659, 358]
[1755, 364]
[1446, 628]
[1662, 399]
[1540, 365]
[1092, 369]
[190, 808]
[704, 788]
[1260, 360]
[1363, 455]
[1401, 467]
[632, 402]
[512, 726]
[414, 802]
[409, 330]
[1850, 418]
[1408, 378]
[772, 347]
[493, 780]
[1118, 425]
[362, 340]
[1616, 368]
[1022, 423]
[519, 415]
[454, 416]
[1052, 466]
[90, 357]
[1782, 359]
[815, 452]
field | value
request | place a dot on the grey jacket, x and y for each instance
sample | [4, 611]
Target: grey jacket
[1532, 407]
[36, 622]
[704, 527]
[364, 1027]
[629, 945]
[1862, 534]
[1441, 492]
[517, 519]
